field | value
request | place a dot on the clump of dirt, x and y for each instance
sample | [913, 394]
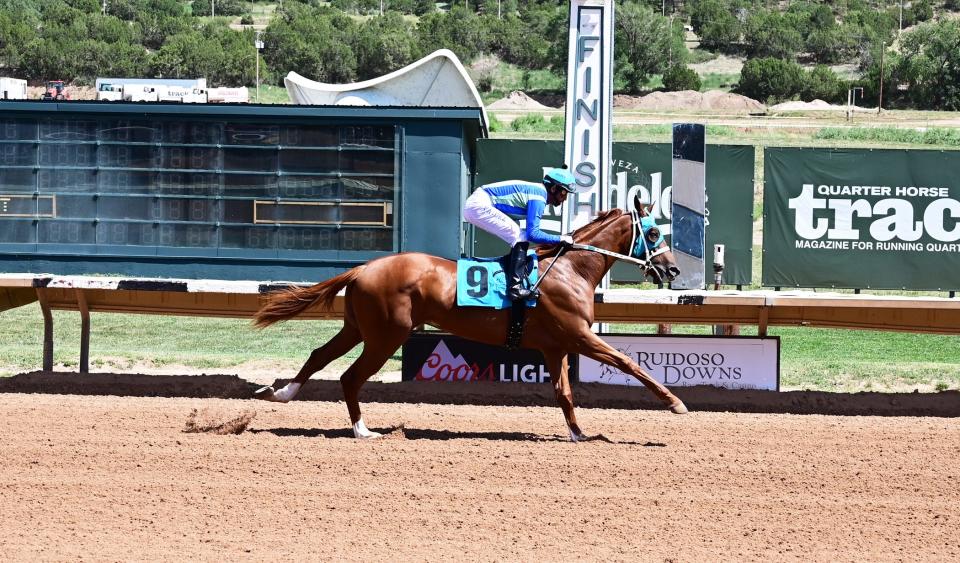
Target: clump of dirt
[815, 105]
[209, 423]
[518, 100]
[716, 100]
[395, 433]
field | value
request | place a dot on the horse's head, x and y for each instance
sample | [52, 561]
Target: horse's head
[649, 245]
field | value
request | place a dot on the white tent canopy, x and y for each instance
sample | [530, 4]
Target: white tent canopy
[437, 80]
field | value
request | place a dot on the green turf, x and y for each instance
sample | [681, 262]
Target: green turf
[814, 359]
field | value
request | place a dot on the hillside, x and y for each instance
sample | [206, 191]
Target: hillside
[770, 52]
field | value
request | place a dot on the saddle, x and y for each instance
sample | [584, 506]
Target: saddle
[481, 282]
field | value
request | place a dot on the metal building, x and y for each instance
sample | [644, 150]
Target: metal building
[291, 193]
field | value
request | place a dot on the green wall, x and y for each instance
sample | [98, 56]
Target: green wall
[643, 168]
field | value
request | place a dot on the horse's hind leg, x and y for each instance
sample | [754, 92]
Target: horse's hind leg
[559, 376]
[376, 352]
[340, 344]
[594, 347]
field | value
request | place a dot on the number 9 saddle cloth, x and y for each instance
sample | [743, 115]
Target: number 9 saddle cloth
[481, 282]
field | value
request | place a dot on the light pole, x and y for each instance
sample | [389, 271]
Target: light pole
[258, 43]
[211, 9]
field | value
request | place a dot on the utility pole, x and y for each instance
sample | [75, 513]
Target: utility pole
[883, 47]
[258, 43]
[381, 7]
[670, 42]
[211, 9]
[901, 17]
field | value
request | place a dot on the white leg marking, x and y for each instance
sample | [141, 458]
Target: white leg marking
[284, 395]
[575, 436]
[360, 431]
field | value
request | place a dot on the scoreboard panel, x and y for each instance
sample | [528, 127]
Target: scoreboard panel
[199, 185]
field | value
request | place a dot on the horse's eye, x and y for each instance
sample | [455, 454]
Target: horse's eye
[653, 235]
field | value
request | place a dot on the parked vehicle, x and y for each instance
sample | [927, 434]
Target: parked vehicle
[140, 93]
[55, 90]
[13, 89]
[110, 92]
[182, 95]
[228, 95]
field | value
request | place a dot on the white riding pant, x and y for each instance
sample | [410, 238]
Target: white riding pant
[479, 211]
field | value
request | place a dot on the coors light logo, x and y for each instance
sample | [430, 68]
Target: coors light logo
[443, 365]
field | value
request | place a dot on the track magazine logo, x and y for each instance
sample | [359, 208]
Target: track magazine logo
[844, 217]
[443, 365]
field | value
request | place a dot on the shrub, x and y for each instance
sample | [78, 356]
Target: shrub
[824, 84]
[536, 123]
[681, 77]
[770, 79]
[220, 8]
[246, 19]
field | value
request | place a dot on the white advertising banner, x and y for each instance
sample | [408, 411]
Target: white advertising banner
[679, 361]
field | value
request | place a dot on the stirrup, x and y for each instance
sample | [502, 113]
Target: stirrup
[523, 294]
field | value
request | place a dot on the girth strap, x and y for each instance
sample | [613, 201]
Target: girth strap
[518, 318]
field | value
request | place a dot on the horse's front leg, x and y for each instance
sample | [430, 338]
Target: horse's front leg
[594, 347]
[558, 367]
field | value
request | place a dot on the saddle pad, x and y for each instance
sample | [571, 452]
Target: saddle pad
[482, 283]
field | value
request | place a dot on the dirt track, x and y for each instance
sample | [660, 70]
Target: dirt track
[106, 477]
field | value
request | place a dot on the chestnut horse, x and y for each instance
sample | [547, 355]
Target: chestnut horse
[387, 297]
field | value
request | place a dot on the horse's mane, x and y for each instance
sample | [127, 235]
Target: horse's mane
[601, 220]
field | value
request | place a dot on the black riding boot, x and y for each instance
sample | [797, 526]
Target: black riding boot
[516, 272]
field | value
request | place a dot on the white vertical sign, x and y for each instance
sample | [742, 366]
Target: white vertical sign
[589, 137]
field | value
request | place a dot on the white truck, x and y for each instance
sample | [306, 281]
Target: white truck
[13, 89]
[182, 94]
[228, 95]
[140, 93]
[110, 92]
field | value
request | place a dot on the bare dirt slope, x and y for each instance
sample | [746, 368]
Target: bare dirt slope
[106, 477]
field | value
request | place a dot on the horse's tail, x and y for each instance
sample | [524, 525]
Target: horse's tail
[288, 303]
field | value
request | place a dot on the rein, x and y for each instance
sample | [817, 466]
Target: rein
[618, 256]
[645, 265]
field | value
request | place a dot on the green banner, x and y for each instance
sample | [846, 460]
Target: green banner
[861, 218]
[643, 169]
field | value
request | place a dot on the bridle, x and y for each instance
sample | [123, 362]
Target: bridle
[647, 268]
[642, 249]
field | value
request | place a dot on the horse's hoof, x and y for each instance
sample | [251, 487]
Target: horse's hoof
[360, 431]
[679, 408]
[576, 435]
[266, 394]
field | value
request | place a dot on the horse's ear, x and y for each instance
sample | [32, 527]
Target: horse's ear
[637, 204]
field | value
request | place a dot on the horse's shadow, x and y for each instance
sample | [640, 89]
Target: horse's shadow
[407, 433]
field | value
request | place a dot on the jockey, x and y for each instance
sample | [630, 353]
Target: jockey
[494, 208]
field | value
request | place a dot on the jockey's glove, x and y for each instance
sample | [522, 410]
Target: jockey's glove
[566, 240]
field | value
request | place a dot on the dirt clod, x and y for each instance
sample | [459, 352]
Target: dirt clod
[213, 423]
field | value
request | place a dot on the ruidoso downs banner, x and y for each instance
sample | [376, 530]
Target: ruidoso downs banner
[438, 356]
[856, 218]
[745, 362]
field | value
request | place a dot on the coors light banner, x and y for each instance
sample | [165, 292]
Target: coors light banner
[436, 356]
[857, 218]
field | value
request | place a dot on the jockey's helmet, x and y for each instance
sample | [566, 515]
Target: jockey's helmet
[560, 177]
